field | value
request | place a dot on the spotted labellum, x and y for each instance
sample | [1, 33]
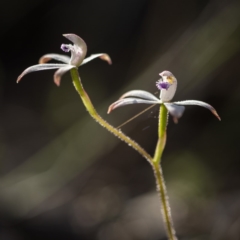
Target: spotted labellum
[167, 84]
[78, 52]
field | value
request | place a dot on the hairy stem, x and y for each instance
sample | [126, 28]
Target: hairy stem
[90, 108]
[165, 207]
[161, 187]
[162, 125]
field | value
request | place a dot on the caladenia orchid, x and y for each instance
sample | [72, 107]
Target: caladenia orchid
[78, 52]
[167, 84]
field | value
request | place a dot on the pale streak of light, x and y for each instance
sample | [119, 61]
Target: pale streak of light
[129, 120]
[146, 128]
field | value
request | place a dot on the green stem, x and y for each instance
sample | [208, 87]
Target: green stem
[161, 187]
[89, 106]
[153, 161]
[165, 207]
[162, 125]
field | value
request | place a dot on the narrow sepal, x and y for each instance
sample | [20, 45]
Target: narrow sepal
[102, 56]
[140, 94]
[175, 111]
[201, 104]
[127, 101]
[40, 67]
[58, 57]
[58, 74]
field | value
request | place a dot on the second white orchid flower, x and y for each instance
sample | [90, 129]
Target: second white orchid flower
[168, 85]
[78, 52]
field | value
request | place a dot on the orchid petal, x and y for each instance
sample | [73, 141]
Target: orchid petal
[59, 57]
[40, 67]
[141, 94]
[127, 101]
[58, 74]
[103, 56]
[175, 110]
[201, 104]
[78, 50]
[167, 93]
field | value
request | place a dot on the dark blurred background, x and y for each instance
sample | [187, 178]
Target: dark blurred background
[62, 176]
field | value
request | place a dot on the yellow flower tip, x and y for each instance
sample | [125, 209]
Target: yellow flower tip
[106, 58]
[170, 79]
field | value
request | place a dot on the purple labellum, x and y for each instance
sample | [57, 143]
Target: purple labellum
[162, 85]
[65, 48]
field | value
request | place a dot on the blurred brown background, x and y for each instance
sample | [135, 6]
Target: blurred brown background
[64, 177]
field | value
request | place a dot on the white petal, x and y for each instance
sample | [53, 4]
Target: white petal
[58, 74]
[175, 110]
[127, 101]
[201, 104]
[140, 94]
[102, 56]
[58, 57]
[40, 67]
[166, 95]
[76, 40]
[78, 51]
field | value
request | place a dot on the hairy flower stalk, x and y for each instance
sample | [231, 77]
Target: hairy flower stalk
[78, 52]
[161, 187]
[165, 206]
[167, 85]
[89, 106]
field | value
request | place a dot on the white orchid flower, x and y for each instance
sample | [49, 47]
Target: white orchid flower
[168, 85]
[78, 52]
